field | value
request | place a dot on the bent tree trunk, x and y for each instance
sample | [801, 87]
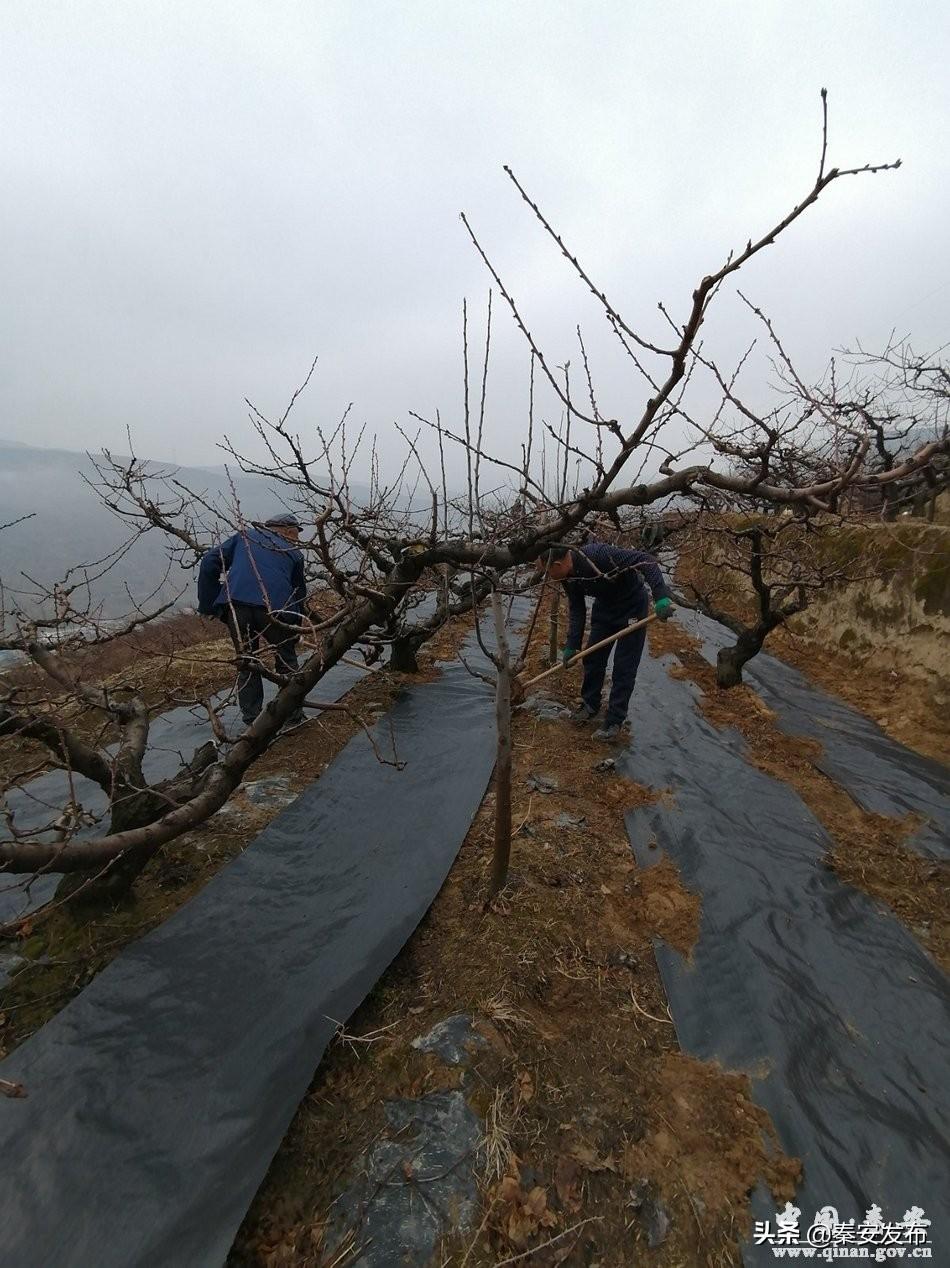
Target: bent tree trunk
[130, 809]
[402, 656]
[134, 805]
[407, 640]
[731, 660]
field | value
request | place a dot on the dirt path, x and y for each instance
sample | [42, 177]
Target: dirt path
[912, 708]
[907, 709]
[600, 1131]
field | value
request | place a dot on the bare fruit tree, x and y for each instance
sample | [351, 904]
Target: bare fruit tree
[754, 574]
[753, 566]
[902, 397]
[371, 550]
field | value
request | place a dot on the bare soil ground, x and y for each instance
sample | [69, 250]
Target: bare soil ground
[590, 1104]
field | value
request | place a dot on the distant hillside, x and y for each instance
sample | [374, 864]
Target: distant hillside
[71, 526]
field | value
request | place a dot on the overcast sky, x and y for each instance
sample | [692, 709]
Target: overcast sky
[199, 198]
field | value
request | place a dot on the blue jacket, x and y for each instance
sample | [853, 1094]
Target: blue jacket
[256, 567]
[614, 577]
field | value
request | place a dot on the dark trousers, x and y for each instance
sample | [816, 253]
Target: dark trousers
[627, 652]
[253, 629]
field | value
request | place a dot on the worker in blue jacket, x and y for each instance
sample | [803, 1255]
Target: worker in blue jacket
[620, 582]
[255, 583]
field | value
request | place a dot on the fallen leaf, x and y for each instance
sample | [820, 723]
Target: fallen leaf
[586, 1156]
[509, 1190]
[590, 1158]
[525, 1086]
[520, 1227]
[537, 1201]
[567, 1184]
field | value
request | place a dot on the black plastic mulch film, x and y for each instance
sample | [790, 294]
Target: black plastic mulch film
[880, 774]
[158, 1097]
[815, 990]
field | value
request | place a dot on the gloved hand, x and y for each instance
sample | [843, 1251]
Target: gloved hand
[567, 653]
[663, 608]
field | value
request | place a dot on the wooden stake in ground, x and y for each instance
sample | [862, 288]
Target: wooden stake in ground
[522, 659]
[552, 628]
[502, 852]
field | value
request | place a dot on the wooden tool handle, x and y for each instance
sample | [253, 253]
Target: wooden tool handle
[611, 638]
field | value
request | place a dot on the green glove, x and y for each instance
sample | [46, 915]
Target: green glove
[663, 608]
[567, 653]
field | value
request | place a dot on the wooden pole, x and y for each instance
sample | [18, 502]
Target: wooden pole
[502, 853]
[611, 638]
[534, 617]
[359, 664]
[552, 627]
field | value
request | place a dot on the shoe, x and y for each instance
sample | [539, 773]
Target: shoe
[583, 713]
[250, 721]
[293, 723]
[610, 733]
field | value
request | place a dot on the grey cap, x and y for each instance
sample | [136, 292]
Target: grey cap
[282, 521]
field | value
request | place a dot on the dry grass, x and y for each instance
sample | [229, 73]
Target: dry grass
[501, 1127]
[159, 640]
[501, 1012]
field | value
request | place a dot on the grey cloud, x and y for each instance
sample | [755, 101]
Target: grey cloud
[199, 198]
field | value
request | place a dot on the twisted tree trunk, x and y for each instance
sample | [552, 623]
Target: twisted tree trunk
[135, 804]
[731, 660]
[402, 655]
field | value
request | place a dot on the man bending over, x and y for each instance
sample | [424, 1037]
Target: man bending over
[617, 580]
[255, 583]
